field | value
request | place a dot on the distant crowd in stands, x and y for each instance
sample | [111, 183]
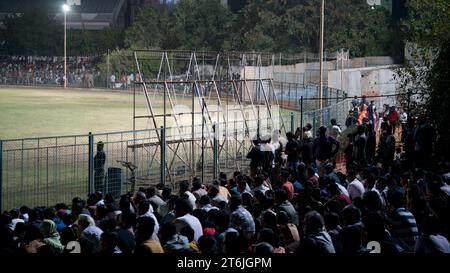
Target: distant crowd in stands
[32, 70]
[292, 200]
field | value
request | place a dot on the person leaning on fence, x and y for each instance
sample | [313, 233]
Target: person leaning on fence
[99, 167]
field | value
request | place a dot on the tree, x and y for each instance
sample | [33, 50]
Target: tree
[293, 26]
[85, 42]
[32, 33]
[146, 30]
[427, 29]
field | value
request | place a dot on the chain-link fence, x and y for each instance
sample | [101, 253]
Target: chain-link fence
[44, 171]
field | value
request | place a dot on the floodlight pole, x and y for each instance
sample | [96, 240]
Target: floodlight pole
[322, 11]
[65, 10]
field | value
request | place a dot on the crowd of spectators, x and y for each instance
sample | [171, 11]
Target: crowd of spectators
[294, 199]
[33, 70]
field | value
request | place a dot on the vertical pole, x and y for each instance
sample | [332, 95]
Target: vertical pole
[91, 164]
[342, 69]
[1, 175]
[134, 122]
[194, 166]
[107, 70]
[65, 49]
[163, 156]
[216, 150]
[322, 11]
[203, 140]
[301, 112]
[164, 104]
[292, 122]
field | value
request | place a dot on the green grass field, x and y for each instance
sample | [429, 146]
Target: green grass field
[27, 112]
[31, 112]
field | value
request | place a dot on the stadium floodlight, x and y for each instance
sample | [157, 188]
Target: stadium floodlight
[66, 9]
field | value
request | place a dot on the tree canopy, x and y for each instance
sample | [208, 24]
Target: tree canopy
[427, 28]
[267, 25]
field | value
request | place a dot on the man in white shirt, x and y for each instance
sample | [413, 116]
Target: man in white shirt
[185, 218]
[355, 188]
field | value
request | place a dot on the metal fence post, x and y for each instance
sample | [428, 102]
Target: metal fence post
[301, 114]
[163, 156]
[216, 151]
[1, 175]
[292, 122]
[91, 164]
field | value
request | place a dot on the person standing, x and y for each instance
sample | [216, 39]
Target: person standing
[393, 118]
[112, 81]
[99, 167]
[372, 112]
[323, 149]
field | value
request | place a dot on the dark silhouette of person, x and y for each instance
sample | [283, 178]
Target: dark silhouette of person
[99, 168]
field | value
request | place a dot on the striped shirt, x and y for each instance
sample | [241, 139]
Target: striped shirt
[404, 227]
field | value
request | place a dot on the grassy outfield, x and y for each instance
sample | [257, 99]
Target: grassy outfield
[30, 112]
[27, 112]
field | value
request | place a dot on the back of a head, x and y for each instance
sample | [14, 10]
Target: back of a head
[188, 232]
[144, 206]
[234, 243]
[167, 230]
[374, 225]
[351, 238]
[262, 248]
[127, 219]
[222, 219]
[333, 121]
[234, 202]
[282, 218]
[14, 213]
[150, 192]
[86, 219]
[322, 130]
[259, 180]
[207, 244]
[351, 215]
[166, 192]
[281, 195]
[196, 183]
[310, 171]
[333, 189]
[268, 235]
[372, 201]
[204, 200]
[184, 186]
[145, 227]
[182, 206]
[395, 198]
[110, 239]
[331, 220]
[314, 222]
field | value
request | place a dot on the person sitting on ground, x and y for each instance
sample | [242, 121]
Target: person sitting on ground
[89, 231]
[50, 236]
[184, 217]
[172, 242]
[317, 240]
[144, 231]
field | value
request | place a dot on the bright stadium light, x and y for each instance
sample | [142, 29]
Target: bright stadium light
[66, 9]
